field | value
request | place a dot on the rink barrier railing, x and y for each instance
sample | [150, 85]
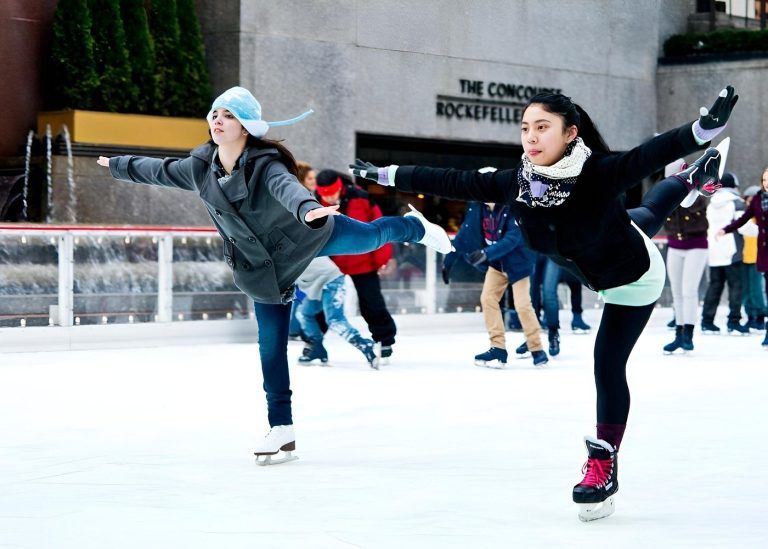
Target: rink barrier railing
[65, 236]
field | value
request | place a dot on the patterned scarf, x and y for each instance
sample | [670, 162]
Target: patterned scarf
[547, 186]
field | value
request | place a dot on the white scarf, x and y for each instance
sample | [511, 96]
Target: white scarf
[551, 185]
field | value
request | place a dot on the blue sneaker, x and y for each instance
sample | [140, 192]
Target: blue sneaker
[734, 328]
[540, 358]
[492, 358]
[522, 351]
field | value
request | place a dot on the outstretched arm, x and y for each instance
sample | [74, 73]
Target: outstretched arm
[468, 185]
[625, 170]
[749, 213]
[164, 172]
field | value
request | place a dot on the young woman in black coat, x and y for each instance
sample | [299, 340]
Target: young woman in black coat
[567, 197]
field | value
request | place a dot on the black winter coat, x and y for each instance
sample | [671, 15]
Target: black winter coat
[589, 234]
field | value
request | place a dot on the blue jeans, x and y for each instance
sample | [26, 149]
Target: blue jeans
[295, 326]
[332, 305]
[752, 291]
[273, 322]
[549, 295]
[351, 237]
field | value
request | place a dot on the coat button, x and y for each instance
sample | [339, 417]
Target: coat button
[267, 263]
[247, 266]
[230, 262]
[251, 239]
[218, 212]
[687, 218]
[279, 247]
[232, 240]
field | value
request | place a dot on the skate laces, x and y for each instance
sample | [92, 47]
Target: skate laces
[596, 471]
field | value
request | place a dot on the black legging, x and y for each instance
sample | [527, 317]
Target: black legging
[621, 325]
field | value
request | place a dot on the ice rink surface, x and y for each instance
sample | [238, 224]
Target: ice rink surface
[151, 447]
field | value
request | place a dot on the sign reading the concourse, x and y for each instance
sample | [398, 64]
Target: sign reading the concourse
[498, 102]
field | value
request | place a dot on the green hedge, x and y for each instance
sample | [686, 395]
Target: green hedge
[726, 41]
[111, 55]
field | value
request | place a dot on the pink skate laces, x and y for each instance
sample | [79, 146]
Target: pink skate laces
[596, 472]
[711, 187]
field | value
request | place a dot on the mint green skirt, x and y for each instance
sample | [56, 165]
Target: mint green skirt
[646, 289]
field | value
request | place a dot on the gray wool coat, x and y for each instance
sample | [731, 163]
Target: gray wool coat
[267, 243]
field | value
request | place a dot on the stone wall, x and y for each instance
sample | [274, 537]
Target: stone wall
[682, 89]
[99, 199]
[376, 67]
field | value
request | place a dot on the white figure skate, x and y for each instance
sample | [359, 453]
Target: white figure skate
[279, 439]
[435, 236]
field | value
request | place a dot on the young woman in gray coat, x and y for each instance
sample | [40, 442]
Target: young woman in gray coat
[272, 229]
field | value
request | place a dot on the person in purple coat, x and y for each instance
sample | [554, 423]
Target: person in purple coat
[757, 209]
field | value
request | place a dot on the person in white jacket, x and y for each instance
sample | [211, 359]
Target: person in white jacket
[725, 259]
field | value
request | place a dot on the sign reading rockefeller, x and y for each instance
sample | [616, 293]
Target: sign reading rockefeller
[499, 102]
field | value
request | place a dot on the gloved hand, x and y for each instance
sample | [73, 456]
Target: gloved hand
[711, 122]
[360, 168]
[444, 272]
[476, 258]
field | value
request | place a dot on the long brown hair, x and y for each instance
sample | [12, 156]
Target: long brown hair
[287, 156]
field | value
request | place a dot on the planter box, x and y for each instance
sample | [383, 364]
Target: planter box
[128, 130]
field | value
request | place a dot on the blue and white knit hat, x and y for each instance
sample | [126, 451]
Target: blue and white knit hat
[243, 105]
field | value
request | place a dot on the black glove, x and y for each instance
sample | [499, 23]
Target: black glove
[444, 272]
[360, 168]
[476, 258]
[711, 122]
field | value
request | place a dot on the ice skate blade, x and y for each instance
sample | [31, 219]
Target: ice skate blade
[594, 511]
[494, 365]
[580, 331]
[315, 362]
[269, 459]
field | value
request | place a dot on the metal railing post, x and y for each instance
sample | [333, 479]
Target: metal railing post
[66, 279]
[165, 278]
[431, 280]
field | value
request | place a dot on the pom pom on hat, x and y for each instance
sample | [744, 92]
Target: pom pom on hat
[244, 106]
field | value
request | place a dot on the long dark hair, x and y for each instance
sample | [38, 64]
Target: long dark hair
[287, 156]
[573, 115]
[259, 143]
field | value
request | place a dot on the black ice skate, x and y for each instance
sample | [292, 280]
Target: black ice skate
[492, 358]
[594, 494]
[678, 343]
[578, 326]
[314, 351]
[703, 176]
[554, 342]
[383, 352]
[280, 438]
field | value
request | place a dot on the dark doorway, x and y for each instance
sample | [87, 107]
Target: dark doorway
[384, 150]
